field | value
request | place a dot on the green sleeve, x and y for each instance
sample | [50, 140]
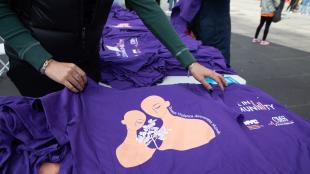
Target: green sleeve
[20, 39]
[156, 20]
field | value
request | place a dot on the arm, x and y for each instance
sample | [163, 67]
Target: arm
[158, 23]
[18, 37]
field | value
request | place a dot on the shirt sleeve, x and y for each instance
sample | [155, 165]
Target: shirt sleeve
[156, 20]
[19, 38]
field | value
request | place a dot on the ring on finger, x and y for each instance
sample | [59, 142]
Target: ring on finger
[78, 77]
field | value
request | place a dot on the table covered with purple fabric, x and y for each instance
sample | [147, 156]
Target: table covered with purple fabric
[165, 129]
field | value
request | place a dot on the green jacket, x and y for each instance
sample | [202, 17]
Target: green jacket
[18, 37]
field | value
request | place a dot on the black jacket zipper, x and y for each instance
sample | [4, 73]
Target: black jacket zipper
[83, 27]
[83, 37]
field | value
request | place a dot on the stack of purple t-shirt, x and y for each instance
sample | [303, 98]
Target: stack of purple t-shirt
[132, 57]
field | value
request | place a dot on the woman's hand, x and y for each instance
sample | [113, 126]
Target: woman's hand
[67, 74]
[200, 73]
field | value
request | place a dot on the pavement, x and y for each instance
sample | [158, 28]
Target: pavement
[292, 31]
[281, 69]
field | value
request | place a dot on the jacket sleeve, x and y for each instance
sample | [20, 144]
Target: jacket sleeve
[15, 35]
[157, 22]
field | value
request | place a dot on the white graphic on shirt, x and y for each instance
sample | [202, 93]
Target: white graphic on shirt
[151, 133]
[189, 116]
[121, 46]
[122, 25]
[252, 124]
[280, 121]
[119, 49]
[136, 52]
[252, 106]
[134, 41]
[116, 49]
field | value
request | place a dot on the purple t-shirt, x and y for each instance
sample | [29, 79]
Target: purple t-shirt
[281, 136]
[25, 139]
[247, 131]
[167, 129]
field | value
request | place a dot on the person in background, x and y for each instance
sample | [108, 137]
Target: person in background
[281, 6]
[268, 8]
[305, 7]
[212, 25]
[55, 44]
[293, 6]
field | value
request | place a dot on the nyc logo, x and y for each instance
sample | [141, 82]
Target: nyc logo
[253, 124]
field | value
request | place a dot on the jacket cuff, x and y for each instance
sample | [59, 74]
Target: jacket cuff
[186, 58]
[35, 55]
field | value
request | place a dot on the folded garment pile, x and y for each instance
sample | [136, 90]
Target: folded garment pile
[153, 130]
[132, 57]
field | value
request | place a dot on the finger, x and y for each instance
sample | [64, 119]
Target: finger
[218, 80]
[76, 84]
[78, 78]
[70, 87]
[223, 80]
[81, 73]
[206, 85]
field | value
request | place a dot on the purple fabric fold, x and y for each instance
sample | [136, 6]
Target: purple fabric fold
[183, 14]
[25, 139]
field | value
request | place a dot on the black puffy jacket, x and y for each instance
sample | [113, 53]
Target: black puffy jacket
[68, 29]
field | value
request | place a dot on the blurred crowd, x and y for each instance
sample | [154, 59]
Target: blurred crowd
[301, 6]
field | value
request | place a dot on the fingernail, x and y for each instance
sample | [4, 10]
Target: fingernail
[210, 90]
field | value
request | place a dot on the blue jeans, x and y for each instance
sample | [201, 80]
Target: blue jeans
[305, 7]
